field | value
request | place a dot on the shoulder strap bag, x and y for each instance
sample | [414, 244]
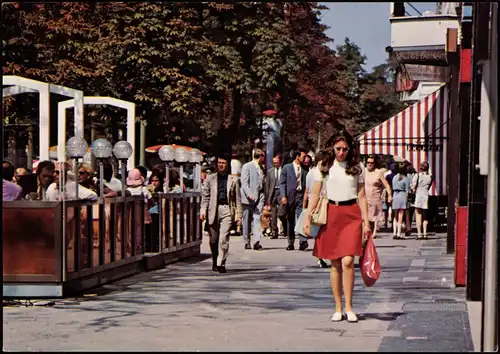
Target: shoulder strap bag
[318, 215]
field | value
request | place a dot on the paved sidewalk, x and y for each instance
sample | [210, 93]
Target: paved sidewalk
[270, 300]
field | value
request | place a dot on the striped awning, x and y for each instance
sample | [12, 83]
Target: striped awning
[418, 133]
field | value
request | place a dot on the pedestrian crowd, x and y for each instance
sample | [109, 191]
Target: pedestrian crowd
[329, 196]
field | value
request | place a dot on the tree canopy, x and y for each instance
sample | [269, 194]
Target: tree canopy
[200, 73]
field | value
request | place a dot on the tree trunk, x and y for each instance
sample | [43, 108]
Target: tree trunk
[29, 153]
[237, 98]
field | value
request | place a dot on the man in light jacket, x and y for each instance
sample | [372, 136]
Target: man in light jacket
[221, 201]
[252, 198]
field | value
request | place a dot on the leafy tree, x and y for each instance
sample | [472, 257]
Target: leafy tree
[378, 99]
[200, 73]
[351, 73]
[371, 96]
[252, 58]
[317, 102]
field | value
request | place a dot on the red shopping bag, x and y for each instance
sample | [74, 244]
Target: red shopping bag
[369, 263]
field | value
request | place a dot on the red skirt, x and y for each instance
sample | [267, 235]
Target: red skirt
[342, 234]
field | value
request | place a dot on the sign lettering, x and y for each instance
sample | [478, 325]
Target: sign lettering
[424, 147]
[427, 72]
[421, 55]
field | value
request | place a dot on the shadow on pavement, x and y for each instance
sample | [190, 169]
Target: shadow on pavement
[196, 259]
[387, 316]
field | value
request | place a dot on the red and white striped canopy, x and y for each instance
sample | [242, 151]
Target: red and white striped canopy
[418, 133]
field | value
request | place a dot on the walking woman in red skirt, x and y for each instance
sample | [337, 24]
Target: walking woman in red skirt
[341, 239]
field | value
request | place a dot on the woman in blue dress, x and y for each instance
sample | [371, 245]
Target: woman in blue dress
[400, 188]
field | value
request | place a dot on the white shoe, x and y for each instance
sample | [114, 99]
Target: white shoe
[351, 317]
[337, 317]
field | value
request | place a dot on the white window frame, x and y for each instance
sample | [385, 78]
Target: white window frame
[18, 85]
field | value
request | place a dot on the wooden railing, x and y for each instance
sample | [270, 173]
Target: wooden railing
[56, 242]
[32, 242]
[177, 224]
[103, 234]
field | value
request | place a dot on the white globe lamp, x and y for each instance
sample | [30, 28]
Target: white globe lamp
[167, 153]
[181, 155]
[122, 151]
[76, 147]
[102, 149]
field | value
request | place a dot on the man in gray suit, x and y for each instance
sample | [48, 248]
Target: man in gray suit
[272, 195]
[221, 198]
[252, 198]
[292, 186]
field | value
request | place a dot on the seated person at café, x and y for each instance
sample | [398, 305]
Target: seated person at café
[28, 183]
[45, 175]
[112, 187]
[21, 171]
[111, 182]
[53, 191]
[174, 182]
[86, 177]
[156, 181]
[11, 191]
[135, 185]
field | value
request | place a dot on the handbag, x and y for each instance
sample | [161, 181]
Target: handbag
[299, 226]
[412, 193]
[369, 264]
[318, 215]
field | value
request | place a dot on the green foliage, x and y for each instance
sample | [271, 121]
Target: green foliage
[196, 70]
[371, 96]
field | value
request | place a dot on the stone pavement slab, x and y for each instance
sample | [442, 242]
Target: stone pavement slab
[270, 300]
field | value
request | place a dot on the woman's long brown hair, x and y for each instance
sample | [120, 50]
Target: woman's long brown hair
[353, 166]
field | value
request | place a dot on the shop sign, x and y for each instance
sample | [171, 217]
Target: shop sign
[427, 72]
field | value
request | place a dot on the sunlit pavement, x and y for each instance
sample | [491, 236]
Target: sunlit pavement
[269, 300]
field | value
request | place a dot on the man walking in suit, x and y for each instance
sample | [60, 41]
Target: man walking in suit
[272, 195]
[252, 198]
[292, 186]
[221, 198]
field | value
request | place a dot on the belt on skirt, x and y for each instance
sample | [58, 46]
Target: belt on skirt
[343, 202]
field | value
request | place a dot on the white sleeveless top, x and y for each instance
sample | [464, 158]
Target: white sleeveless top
[341, 186]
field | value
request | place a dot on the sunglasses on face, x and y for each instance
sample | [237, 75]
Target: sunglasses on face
[81, 173]
[370, 162]
[341, 148]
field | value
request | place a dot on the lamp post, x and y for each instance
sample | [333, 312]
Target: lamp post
[76, 148]
[53, 154]
[167, 154]
[122, 151]
[101, 148]
[181, 156]
[87, 158]
[195, 158]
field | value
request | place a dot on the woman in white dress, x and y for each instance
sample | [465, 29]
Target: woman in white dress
[421, 184]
